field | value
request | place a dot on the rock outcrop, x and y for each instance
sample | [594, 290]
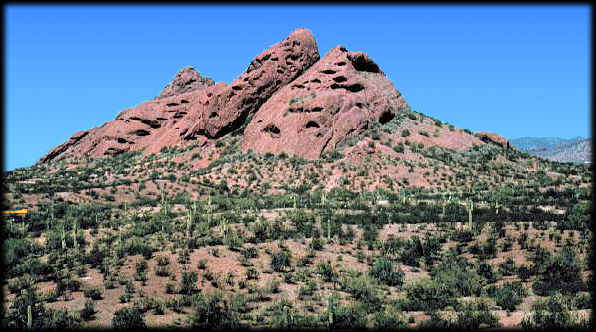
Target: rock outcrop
[493, 138]
[337, 98]
[288, 100]
[188, 79]
[192, 109]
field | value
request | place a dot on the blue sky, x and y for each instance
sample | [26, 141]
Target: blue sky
[514, 70]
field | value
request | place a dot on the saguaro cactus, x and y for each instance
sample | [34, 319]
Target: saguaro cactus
[470, 207]
[63, 237]
[330, 310]
[74, 237]
[189, 215]
[29, 317]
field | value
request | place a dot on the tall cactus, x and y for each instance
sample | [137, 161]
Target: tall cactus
[330, 309]
[188, 223]
[209, 210]
[470, 210]
[29, 317]
[63, 237]
[74, 237]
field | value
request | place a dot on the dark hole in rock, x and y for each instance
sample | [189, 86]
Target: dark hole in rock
[280, 71]
[245, 79]
[236, 87]
[316, 109]
[212, 115]
[121, 140]
[328, 71]
[360, 105]
[340, 79]
[343, 49]
[152, 123]
[296, 43]
[362, 63]
[351, 87]
[162, 119]
[209, 94]
[142, 132]
[113, 151]
[275, 59]
[341, 63]
[299, 86]
[386, 117]
[172, 104]
[292, 57]
[316, 80]
[184, 101]
[266, 57]
[271, 128]
[312, 124]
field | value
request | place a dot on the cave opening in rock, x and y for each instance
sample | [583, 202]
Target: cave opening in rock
[362, 63]
[271, 128]
[386, 117]
[312, 124]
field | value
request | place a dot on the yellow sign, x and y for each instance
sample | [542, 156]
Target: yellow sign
[20, 212]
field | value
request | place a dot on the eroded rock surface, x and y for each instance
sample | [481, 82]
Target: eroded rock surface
[337, 98]
[192, 110]
[188, 79]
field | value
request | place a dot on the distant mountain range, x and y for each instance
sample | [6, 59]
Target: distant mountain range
[576, 150]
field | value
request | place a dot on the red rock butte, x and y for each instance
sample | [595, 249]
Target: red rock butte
[288, 100]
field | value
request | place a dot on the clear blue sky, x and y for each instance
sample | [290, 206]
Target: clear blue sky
[514, 70]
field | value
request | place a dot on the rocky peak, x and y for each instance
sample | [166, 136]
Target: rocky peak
[188, 79]
[338, 97]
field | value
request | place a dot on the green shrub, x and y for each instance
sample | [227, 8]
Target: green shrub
[562, 273]
[88, 310]
[128, 318]
[212, 311]
[93, 293]
[349, 317]
[471, 316]
[389, 319]
[188, 284]
[386, 271]
[551, 314]
[61, 319]
[427, 295]
[508, 295]
[280, 261]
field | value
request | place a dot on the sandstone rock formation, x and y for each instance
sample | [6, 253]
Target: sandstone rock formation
[494, 138]
[188, 79]
[192, 109]
[338, 97]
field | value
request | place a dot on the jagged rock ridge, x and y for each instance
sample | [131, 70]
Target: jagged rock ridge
[188, 79]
